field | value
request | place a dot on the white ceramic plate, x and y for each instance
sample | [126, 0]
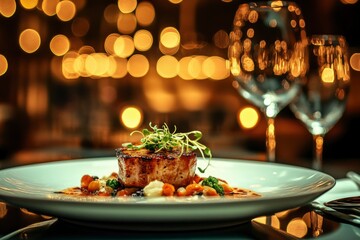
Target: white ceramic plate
[281, 186]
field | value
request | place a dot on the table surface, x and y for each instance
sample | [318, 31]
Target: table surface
[320, 227]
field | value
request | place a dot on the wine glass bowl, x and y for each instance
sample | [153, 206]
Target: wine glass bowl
[323, 96]
[267, 55]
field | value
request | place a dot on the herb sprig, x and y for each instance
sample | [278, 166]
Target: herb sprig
[158, 139]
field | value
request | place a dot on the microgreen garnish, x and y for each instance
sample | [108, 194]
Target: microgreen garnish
[159, 139]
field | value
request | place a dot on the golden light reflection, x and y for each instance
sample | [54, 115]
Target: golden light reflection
[126, 23]
[65, 10]
[127, 6]
[297, 227]
[170, 37]
[274, 221]
[110, 42]
[120, 67]
[215, 67]
[29, 40]
[355, 61]
[131, 117]
[327, 75]
[28, 4]
[167, 66]
[184, 68]
[145, 13]
[59, 45]
[49, 7]
[3, 65]
[97, 64]
[248, 117]
[7, 8]
[124, 46]
[138, 65]
[143, 40]
[195, 67]
[68, 65]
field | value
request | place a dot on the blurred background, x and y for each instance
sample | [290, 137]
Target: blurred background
[77, 76]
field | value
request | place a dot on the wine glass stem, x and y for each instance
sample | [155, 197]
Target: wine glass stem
[270, 140]
[318, 151]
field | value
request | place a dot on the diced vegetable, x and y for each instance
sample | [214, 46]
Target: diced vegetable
[214, 183]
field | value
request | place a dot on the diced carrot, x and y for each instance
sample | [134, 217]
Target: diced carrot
[209, 191]
[126, 192]
[168, 189]
[94, 186]
[193, 189]
[85, 180]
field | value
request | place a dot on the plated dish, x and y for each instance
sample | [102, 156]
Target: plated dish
[281, 187]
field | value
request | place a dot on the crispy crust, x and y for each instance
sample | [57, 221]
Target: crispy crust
[137, 168]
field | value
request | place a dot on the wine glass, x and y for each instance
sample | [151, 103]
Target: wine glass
[322, 99]
[267, 58]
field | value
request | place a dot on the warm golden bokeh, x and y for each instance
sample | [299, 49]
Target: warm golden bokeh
[28, 4]
[145, 13]
[49, 6]
[124, 46]
[3, 65]
[138, 65]
[143, 40]
[167, 66]
[7, 8]
[127, 6]
[29, 40]
[59, 45]
[65, 10]
[126, 23]
[248, 117]
[131, 117]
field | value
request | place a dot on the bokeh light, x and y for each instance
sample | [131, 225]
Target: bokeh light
[3, 65]
[29, 40]
[167, 66]
[59, 45]
[127, 6]
[145, 13]
[49, 7]
[28, 4]
[143, 40]
[126, 23]
[131, 117]
[7, 8]
[65, 10]
[138, 65]
[248, 117]
[124, 46]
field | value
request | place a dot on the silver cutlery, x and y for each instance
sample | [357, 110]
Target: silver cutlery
[30, 229]
[341, 215]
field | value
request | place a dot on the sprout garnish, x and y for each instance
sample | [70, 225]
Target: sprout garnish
[162, 139]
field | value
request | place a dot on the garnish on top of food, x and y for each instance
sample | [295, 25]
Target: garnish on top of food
[161, 139]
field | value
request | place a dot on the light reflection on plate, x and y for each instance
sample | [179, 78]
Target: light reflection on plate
[281, 186]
